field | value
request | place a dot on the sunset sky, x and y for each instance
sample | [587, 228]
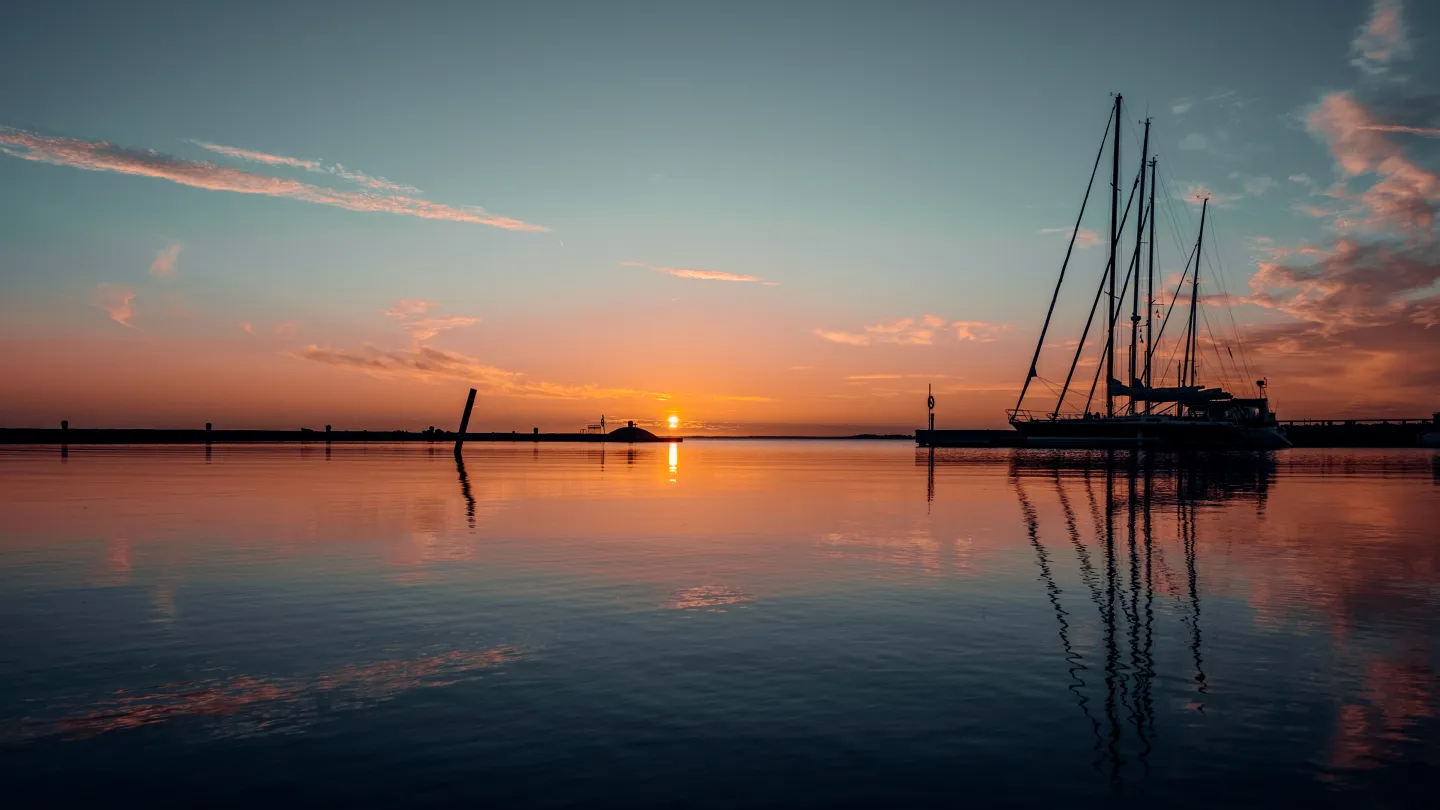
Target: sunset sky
[771, 217]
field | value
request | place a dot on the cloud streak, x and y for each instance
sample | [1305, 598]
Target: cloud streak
[427, 364]
[377, 183]
[701, 275]
[99, 156]
[920, 331]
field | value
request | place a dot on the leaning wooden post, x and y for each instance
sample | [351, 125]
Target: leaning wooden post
[464, 422]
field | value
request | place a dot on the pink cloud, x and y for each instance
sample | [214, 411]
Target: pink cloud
[702, 275]
[916, 332]
[164, 264]
[117, 303]
[1405, 196]
[249, 328]
[1382, 39]
[104, 157]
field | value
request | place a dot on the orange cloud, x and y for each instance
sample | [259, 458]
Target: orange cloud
[116, 301]
[420, 329]
[99, 156]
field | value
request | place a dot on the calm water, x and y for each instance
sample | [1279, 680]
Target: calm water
[718, 624]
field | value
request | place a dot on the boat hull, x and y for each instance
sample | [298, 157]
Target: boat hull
[1156, 432]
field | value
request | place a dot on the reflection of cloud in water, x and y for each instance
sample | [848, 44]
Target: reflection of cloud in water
[917, 548]
[251, 705]
[1374, 726]
[707, 596]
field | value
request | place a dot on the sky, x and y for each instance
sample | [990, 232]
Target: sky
[760, 218]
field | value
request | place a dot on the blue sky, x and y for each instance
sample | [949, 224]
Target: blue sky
[878, 162]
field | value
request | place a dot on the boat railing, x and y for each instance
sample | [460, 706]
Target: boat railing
[1021, 415]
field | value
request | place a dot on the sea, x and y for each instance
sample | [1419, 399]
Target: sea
[717, 624]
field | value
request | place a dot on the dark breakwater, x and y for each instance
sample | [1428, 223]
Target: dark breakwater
[144, 436]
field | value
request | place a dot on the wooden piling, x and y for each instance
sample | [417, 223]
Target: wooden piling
[464, 422]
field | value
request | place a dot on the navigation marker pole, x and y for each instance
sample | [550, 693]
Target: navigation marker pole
[464, 422]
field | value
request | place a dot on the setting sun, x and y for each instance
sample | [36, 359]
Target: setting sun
[674, 421]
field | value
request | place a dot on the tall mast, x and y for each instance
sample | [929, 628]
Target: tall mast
[1113, 306]
[1195, 295]
[1150, 283]
[1135, 288]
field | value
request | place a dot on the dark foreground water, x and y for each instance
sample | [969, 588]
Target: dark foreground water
[719, 624]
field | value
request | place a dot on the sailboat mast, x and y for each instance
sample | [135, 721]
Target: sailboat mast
[1150, 283]
[1113, 305]
[1195, 295]
[1135, 288]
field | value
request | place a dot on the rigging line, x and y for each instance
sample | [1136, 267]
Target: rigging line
[1109, 267]
[1234, 325]
[1128, 274]
[1074, 232]
[1178, 290]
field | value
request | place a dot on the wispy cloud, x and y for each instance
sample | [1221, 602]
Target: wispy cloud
[426, 328]
[1426, 132]
[408, 307]
[703, 275]
[1382, 39]
[843, 337]
[104, 157]
[920, 331]
[407, 310]
[117, 302]
[865, 377]
[1086, 238]
[247, 327]
[164, 264]
[377, 183]
[427, 364]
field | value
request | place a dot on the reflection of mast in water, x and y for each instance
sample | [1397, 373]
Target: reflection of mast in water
[465, 492]
[930, 482]
[1042, 559]
[1112, 652]
[1188, 537]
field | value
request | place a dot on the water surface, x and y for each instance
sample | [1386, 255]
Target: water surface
[787, 624]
